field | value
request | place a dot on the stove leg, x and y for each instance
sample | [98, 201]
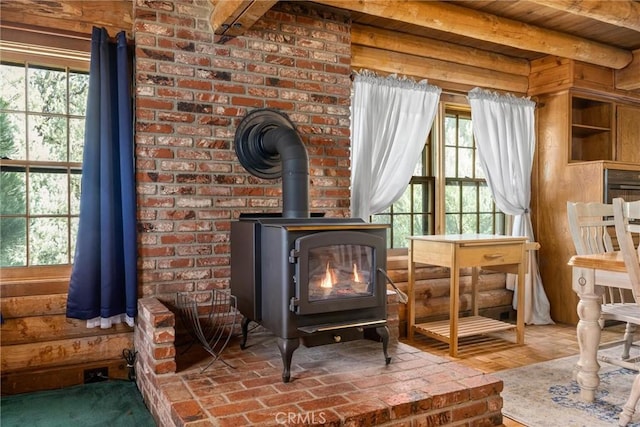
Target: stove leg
[245, 332]
[287, 346]
[383, 331]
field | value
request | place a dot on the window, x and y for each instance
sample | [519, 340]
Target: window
[414, 212]
[42, 114]
[466, 204]
[469, 206]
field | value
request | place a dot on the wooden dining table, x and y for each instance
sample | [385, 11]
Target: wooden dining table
[589, 271]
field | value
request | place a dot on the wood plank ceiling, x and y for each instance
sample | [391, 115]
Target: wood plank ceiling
[500, 37]
[69, 16]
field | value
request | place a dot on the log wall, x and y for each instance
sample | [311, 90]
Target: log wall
[40, 348]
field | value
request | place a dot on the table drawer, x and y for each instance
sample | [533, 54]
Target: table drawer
[486, 255]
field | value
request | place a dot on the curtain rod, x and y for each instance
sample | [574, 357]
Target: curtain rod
[44, 31]
[451, 92]
[9, 28]
[444, 91]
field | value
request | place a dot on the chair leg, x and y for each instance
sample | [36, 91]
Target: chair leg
[628, 339]
[629, 408]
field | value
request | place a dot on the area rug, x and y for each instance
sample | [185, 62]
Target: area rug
[545, 395]
[110, 403]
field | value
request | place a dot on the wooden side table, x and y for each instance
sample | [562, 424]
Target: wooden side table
[502, 253]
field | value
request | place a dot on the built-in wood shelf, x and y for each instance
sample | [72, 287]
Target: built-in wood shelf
[591, 129]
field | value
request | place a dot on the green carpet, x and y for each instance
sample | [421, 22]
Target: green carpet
[107, 403]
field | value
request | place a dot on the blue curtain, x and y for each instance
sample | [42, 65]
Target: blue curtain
[103, 285]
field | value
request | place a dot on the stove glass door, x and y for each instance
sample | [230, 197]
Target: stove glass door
[337, 271]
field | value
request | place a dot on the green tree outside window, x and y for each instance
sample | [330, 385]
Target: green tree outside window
[41, 138]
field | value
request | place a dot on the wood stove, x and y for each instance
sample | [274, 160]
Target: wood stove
[303, 277]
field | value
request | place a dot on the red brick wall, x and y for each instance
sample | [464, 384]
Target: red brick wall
[192, 90]
[155, 344]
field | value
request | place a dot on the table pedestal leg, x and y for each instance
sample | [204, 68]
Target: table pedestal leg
[588, 332]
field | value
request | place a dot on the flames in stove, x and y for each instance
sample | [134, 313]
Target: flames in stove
[334, 284]
[329, 278]
[356, 276]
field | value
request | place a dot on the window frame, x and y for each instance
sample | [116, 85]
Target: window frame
[436, 158]
[464, 111]
[43, 48]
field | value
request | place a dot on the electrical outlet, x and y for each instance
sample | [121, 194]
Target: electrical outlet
[95, 375]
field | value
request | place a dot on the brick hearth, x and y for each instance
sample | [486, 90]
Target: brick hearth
[345, 384]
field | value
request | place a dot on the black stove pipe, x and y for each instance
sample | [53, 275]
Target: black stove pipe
[295, 170]
[268, 146]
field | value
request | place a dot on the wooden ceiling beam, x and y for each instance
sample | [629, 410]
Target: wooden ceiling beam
[234, 17]
[363, 57]
[429, 48]
[225, 13]
[67, 16]
[629, 77]
[455, 19]
[621, 13]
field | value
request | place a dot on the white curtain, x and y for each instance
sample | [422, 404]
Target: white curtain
[390, 121]
[504, 129]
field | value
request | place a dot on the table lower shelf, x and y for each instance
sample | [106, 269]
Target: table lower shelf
[467, 326]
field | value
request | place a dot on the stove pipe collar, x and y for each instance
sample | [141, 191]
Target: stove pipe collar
[269, 147]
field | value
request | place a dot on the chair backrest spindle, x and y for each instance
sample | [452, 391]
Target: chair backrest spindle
[589, 224]
[592, 225]
[627, 223]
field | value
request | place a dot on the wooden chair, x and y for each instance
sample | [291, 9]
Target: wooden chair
[592, 226]
[627, 225]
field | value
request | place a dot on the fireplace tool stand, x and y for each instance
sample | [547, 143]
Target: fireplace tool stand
[214, 327]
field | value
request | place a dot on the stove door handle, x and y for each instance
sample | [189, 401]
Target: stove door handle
[293, 304]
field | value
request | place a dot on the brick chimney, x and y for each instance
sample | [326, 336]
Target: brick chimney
[192, 90]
